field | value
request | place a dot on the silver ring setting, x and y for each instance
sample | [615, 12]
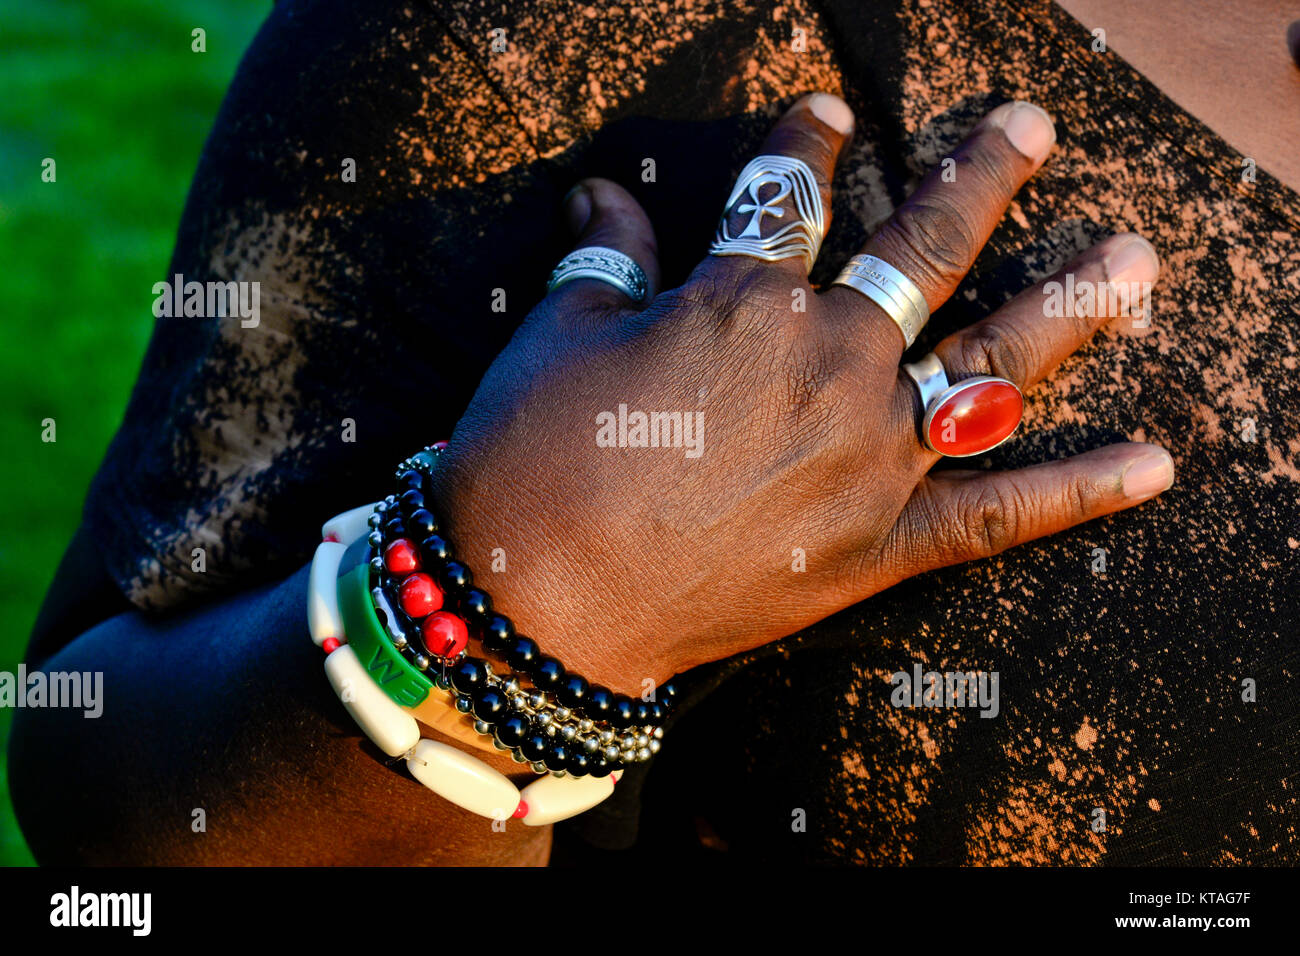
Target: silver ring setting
[891, 290]
[762, 191]
[969, 418]
[604, 265]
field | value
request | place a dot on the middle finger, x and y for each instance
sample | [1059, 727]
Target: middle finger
[934, 237]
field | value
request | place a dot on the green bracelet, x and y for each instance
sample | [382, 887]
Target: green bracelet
[398, 678]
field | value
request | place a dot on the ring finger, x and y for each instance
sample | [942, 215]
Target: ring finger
[1027, 338]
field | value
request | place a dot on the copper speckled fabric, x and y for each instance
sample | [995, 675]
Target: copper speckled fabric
[1120, 692]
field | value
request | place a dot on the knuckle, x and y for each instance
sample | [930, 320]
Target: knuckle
[917, 538]
[1086, 498]
[764, 285]
[991, 518]
[990, 349]
[938, 240]
[739, 291]
[684, 300]
[711, 289]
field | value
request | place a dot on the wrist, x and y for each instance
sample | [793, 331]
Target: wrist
[573, 607]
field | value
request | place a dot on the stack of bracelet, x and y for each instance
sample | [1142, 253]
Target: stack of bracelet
[406, 612]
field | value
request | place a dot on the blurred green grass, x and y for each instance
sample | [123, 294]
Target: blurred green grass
[113, 93]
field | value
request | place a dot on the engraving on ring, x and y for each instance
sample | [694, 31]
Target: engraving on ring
[891, 290]
[771, 206]
[605, 265]
[800, 237]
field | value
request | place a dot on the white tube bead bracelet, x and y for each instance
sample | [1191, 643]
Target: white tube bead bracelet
[393, 730]
[453, 774]
[348, 526]
[323, 617]
[464, 780]
[551, 799]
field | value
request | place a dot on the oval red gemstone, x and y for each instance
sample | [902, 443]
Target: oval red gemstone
[400, 557]
[419, 596]
[976, 417]
[444, 634]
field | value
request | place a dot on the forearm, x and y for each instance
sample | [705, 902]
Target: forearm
[227, 710]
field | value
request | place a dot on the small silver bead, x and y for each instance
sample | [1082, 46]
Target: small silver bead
[511, 687]
[642, 740]
[538, 767]
[482, 727]
[544, 718]
[590, 744]
[518, 757]
[537, 700]
[391, 500]
[381, 508]
[375, 520]
[606, 737]
[563, 713]
[568, 731]
[558, 773]
[518, 701]
[628, 743]
[611, 752]
[654, 746]
[552, 730]
[399, 641]
[377, 564]
[643, 753]
[499, 745]
[658, 733]
[422, 662]
[586, 724]
[375, 539]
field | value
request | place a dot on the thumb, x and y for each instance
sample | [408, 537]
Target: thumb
[604, 214]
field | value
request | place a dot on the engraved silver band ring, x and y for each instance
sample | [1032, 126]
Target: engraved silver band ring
[604, 265]
[891, 290]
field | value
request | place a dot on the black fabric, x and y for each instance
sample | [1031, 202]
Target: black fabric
[1120, 691]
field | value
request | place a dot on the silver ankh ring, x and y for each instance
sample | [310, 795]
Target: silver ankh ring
[604, 265]
[891, 290]
[969, 418]
[782, 189]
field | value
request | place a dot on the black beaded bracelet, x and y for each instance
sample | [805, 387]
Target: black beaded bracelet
[566, 736]
[495, 630]
[548, 737]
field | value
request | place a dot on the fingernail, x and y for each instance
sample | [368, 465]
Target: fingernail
[1133, 259]
[832, 111]
[1027, 127]
[1149, 475]
[577, 208]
